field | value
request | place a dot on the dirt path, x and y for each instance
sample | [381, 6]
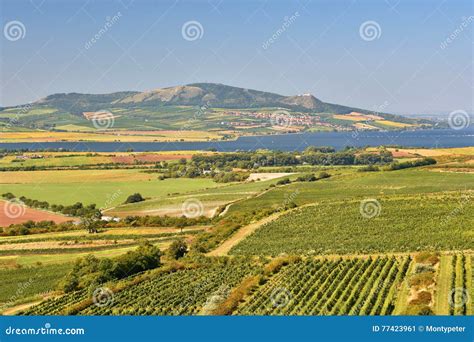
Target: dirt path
[241, 234]
[20, 307]
[443, 285]
[14, 309]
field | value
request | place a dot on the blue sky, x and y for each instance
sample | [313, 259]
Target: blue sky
[404, 69]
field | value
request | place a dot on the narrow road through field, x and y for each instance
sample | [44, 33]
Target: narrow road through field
[241, 234]
[15, 309]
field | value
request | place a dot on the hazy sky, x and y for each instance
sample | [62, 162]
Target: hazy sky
[401, 63]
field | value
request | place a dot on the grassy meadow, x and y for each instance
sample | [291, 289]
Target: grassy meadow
[105, 188]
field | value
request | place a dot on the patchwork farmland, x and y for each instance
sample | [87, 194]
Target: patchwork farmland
[220, 234]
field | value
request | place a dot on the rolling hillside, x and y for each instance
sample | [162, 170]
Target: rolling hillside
[204, 107]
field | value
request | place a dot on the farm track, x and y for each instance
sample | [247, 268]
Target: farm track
[242, 233]
[443, 285]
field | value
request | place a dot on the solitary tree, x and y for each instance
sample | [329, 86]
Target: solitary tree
[134, 198]
[91, 221]
[178, 249]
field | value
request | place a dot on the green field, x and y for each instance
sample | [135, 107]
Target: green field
[19, 283]
[404, 224]
[73, 160]
[350, 244]
[210, 197]
[105, 188]
[359, 185]
[33, 259]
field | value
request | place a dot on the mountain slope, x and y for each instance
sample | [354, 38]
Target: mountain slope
[223, 96]
[77, 103]
[198, 106]
[196, 94]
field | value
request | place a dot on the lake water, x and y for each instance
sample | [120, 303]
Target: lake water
[283, 142]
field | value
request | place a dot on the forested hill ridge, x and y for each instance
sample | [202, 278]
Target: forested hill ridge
[195, 94]
[220, 110]
[224, 96]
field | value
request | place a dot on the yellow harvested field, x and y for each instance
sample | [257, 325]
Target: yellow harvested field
[354, 116]
[101, 115]
[109, 231]
[71, 127]
[248, 127]
[393, 123]
[61, 244]
[104, 136]
[348, 117]
[263, 176]
[68, 176]
[208, 209]
[57, 258]
[361, 125]
[369, 116]
[468, 151]
[284, 128]
[183, 153]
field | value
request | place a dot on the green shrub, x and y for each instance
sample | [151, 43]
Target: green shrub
[422, 298]
[283, 181]
[369, 168]
[421, 268]
[178, 249]
[136, 197]
[89, 271]
[418, 310]
[427, 258]
[323, 175]
[310, 177]
[421, 279]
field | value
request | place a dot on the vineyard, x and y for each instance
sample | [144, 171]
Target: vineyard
[18, 283]
[459, 296]
[403, 224]
[354, 286]
[355, 243]
[58, 306]
[376, 285]
[183, 292]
